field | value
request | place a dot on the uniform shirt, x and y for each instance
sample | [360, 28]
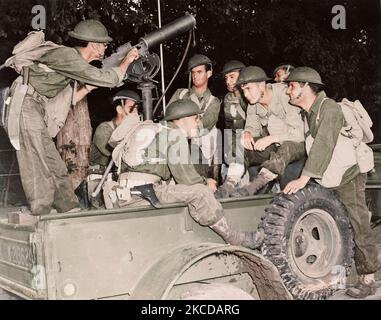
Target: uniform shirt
[100, 150]
[168, 149]
[325, 132]
[210, 117]
[281, 118]
[51, 73]
[233, 118]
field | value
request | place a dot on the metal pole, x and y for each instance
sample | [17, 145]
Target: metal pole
[161, 56]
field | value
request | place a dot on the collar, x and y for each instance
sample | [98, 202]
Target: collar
[206, 94]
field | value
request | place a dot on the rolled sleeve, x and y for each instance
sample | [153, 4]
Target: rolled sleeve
[253, 124]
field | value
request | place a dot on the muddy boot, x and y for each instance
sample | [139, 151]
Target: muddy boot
[366, 286]
[227, 188]
[264, 177]
[251, 240]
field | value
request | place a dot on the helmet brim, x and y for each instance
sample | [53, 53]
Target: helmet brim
[176, 117]
[84, 38]
[250, 81]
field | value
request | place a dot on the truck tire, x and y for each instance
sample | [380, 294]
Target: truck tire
[308, 237]
[215, 291]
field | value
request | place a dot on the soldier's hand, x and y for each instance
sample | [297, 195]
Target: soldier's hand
[247, 140]
[263, 143]
[132, 55]
[212, 184]
[295, 185]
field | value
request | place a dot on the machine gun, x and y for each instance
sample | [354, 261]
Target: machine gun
[144, 69]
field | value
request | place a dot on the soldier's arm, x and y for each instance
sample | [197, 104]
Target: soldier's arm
[295, 125]
[101, 137]
[331, 122]
[253, 124]
[69, 63]
[179, 161]
[210, 117]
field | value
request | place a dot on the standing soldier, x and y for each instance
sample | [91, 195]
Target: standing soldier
[43, 173]
[235, 116]
[331, 158]
[274, 133]
[200, 70]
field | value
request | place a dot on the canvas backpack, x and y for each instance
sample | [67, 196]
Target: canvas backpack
[25, 53]
[131, 140]
[357, 127]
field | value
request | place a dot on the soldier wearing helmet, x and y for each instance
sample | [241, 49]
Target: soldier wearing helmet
[282, 71]
[171, 147]
[274, 134]
[125, 103]
[58, 69]
[200, 70]
[235, 115]
[332, 163]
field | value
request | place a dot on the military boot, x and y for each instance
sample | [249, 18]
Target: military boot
[366, 286]
[263, 178]
[251, 240]
[227, 188]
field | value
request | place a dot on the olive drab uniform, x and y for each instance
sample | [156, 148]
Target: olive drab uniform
[100, 150]
[235, 117]
[324, 136]
[43, 173]
[281, 119]
[208, 131]
[167, 148]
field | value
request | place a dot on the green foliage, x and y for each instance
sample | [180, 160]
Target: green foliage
[260, 32]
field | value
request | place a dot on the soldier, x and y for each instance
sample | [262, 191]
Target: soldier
[274, 134]
[125, 103]
[235, 116]
[324, 142]
[43, 173]
[200, 70]
[196, 191]
[282, 71]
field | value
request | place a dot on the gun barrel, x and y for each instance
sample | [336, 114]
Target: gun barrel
[169, 31]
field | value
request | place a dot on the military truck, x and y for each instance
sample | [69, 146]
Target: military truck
[148, 253]
[161, 253]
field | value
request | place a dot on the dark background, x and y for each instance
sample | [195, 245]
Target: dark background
[262, 32]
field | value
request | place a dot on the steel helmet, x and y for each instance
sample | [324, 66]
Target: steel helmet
[285, 66]
[305, 74]
[91, 31]
[181, 109]
[126, 94]
[198, 60]
[251, 74]
[233, 65]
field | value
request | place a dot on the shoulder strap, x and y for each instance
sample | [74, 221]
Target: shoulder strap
[183, 93]
[319, 110]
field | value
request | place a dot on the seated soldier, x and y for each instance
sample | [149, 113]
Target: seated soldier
[168, 156]
[125, 103]
[274, 133]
